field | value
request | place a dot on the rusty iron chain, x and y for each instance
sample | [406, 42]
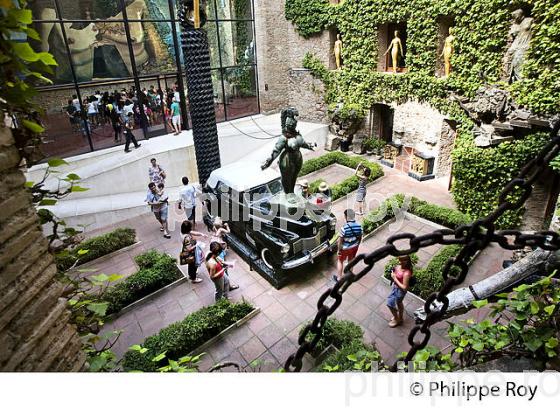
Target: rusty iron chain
[473, 237]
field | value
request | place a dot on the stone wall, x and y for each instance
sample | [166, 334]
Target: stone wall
[446, 145]
[305, 88]
[280, 49]
[417, 125]
[35, 334]
[545, 188]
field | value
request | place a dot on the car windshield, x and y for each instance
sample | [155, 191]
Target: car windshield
[264, 192]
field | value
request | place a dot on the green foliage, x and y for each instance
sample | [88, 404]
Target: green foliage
[156, 271]
[448, 217]
[185, 364]
[481, 174]
[96, 247]
[346, 186]
[432, 360]
[525, 322]
[481, 31]
[20, 68]
[180, 338]
[374, 144]
[338, 333]
[309, 16]
[356, 357]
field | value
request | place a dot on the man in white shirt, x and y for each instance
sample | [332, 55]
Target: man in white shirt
[187, 200]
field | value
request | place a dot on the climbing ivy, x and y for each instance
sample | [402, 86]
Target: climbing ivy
[481, 30]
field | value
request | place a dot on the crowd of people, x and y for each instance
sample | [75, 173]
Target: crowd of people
[192, 245]
[125, 109]
[347, 240]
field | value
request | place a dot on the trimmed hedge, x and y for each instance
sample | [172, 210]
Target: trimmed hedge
[448, 217]
[338, 333]
[157, 270]
[346, 186]
[181, 338]
[97, 246]
[429, 278]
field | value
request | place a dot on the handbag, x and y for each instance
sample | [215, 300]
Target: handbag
[187, 256]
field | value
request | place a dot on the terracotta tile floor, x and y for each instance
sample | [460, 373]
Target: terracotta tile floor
[271, 336]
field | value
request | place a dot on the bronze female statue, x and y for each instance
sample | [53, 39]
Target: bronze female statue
[288, 149]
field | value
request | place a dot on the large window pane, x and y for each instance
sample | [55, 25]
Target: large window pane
[212, 33]
[42, 9]
[65, 133]
[97, 9]
[241, 91]
[53, 43]
[218, 96]
[157, 40]
[236, 41]
[234, 9]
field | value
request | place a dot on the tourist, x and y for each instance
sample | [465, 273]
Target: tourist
[191, 249]
[156, 172]
[304, 184]
[187, 200]
[92, 111]
[128, 127]
[176, 116]
[73, 116]
[219, 230]
[325, 190]
[159, 205]
[217, 270]
[363, 173]
[348, 241]
[401, 276]
[116, 122]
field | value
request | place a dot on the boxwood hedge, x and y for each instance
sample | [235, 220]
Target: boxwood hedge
[338, 333]
[96, 247]
[181, 338]
[156, 271]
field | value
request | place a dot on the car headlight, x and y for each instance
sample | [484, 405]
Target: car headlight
[285, 249]
[332, 223]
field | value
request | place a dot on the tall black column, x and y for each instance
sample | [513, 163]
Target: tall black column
[200, 93]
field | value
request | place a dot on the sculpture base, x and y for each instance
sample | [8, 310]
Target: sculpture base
[421, 177]
[386, 163]
[278, 279]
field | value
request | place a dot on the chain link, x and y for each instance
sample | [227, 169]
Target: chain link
[473, 237]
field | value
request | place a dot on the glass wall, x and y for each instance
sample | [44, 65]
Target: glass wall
[125, 56]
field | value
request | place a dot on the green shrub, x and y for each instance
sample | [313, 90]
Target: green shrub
[356, 356]
[448, 217]
[181, 338]
[346, 186]
[157, 270]
[428, 279]
[96, 247]
[338, 333]
[377, 217]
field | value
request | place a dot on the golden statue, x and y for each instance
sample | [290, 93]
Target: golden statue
[448, 50]
[338, 51]
[394, 47]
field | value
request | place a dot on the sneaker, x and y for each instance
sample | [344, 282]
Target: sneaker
[197, 280]
[334, 278]
[127, 150]
[233, 287]
[161, 229]
[138, 146]
[167, 236]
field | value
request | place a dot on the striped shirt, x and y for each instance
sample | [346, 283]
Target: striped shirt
[351, 233]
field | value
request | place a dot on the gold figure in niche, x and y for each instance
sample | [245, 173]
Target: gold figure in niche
[394, 48]
[338, 52]
[448, 50]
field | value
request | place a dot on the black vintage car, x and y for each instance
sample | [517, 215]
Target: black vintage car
[285, 231]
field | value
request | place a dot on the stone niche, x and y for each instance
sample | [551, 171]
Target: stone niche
[444, 22]
[385, 34]
[414, 131]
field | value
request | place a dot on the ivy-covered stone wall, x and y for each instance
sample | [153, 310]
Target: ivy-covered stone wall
[481, 31]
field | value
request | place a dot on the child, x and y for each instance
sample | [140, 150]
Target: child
[219, 229]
